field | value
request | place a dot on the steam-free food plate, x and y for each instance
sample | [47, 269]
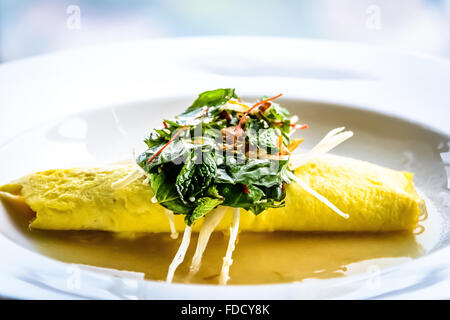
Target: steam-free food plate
[82, 115]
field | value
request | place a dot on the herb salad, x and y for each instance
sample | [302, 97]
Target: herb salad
[221, 151]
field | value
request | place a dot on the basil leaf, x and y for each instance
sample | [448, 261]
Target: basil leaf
[264, 138]
[175, 152]
[268, 139]
[276, 193]
[278, 112]
[222, 176]
[259, 172]
[236, 197]
[164, 188]
[255, 199]
[162, 136]
[209, 99]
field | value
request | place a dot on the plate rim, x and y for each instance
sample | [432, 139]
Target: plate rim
[426, 126]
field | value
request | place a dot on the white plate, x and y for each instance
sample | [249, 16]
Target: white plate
[327, 84]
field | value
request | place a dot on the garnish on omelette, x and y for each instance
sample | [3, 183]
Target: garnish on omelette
[225, 164]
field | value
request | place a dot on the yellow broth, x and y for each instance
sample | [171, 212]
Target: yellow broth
[259, 258]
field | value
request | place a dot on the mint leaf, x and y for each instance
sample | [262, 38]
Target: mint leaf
[196, 177]
[204, 205]
[213, 192]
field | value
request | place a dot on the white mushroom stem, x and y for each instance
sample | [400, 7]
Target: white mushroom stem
[331, 140]
[179, 257]
[318, 196]
[210, 222]
[129, 178]
[171, 218]
[227, 260]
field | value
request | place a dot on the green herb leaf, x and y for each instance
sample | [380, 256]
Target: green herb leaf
[196, 177]
[209, 99]
[264, 172]
[175, 153]
[264, 138]
[222, 176]
[251, 199]
[213, 192]
[200, 169]
[166, 193]
[204, 205]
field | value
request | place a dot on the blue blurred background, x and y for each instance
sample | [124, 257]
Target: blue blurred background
[30, 28]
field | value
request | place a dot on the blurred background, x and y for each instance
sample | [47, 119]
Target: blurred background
[29, 28]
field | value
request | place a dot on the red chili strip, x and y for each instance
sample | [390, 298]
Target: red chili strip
[160, 150]
[244, 187]
[254, 106]
[300, 126]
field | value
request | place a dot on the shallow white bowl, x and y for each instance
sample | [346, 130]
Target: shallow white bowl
[397, 105]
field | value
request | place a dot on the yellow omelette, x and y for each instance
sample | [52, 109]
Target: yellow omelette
[376, 199]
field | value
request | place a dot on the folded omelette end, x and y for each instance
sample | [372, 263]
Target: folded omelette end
[376, 199]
